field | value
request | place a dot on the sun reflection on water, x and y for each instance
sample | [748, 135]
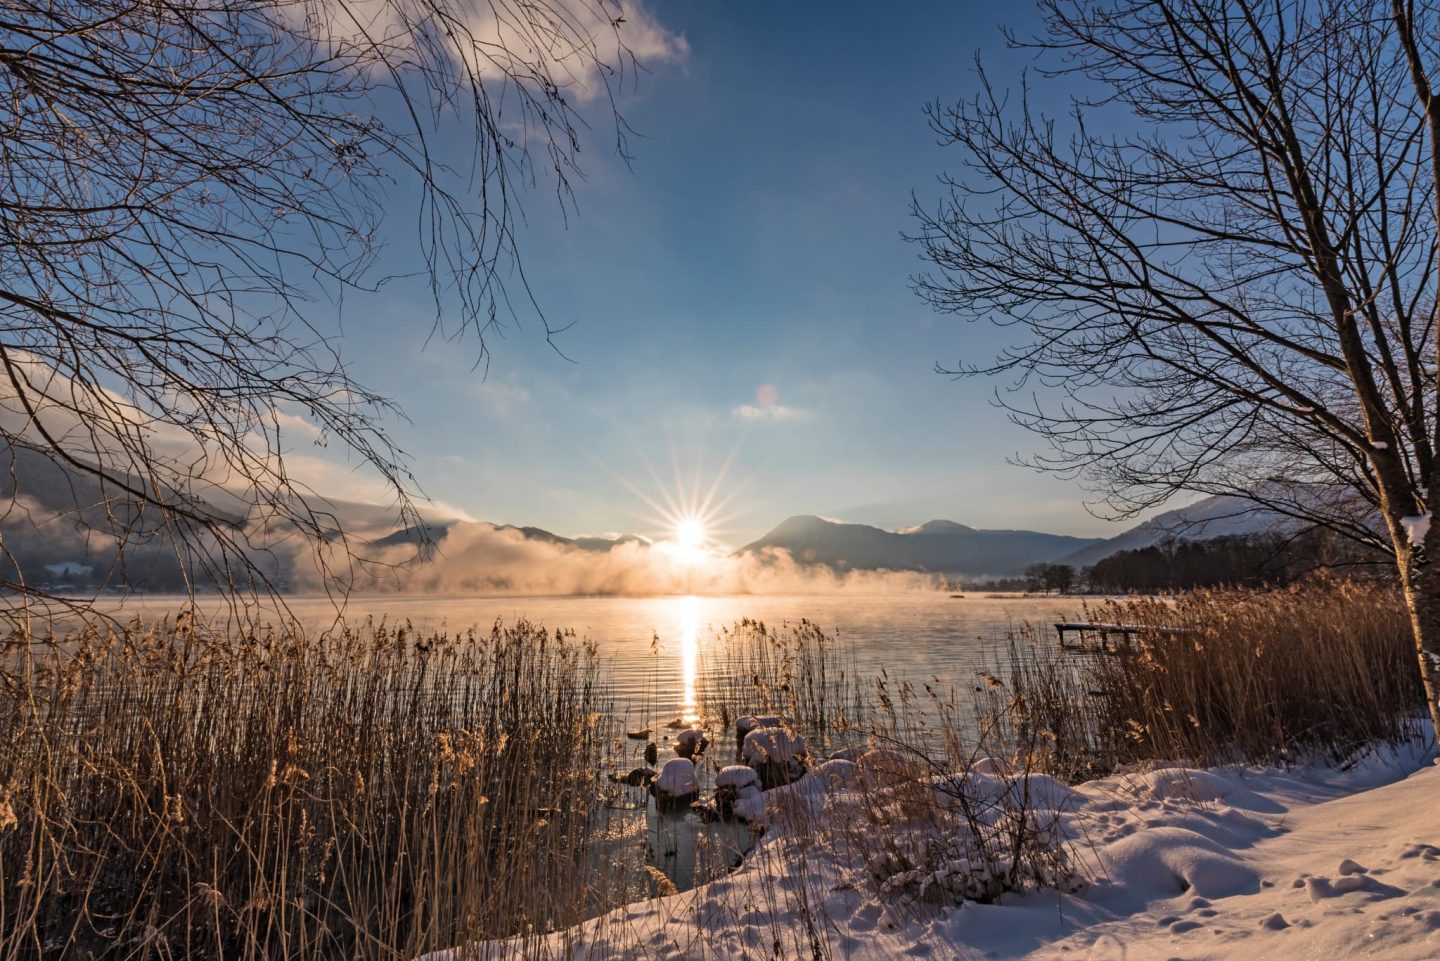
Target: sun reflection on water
[688, 630]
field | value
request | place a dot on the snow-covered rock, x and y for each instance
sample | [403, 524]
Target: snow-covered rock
[777, 753]
[677, 784]
[737, 776]
[753, 722]
[737, 793]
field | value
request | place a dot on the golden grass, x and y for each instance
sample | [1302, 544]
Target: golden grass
[170, 793]
[798, 671]
[1321, 670]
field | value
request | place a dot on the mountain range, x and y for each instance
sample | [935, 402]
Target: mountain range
[937, 546]
[54, 516]
[942, 547]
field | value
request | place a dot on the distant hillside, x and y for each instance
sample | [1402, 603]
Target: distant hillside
[1213, 517]
[942, 547]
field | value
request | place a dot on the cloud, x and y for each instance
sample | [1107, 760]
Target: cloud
[767, 407]
[501, 397]
[579, 45]
[775, 412]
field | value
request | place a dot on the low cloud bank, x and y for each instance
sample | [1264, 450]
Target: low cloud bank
[475, 558]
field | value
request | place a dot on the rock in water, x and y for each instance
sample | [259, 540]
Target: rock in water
[752, 722]
[677, 786]
[639, 777]
[652, 753]
[737, 791]
[691, 743]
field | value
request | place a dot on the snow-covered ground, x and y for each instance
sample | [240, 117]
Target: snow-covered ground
[1249, 865]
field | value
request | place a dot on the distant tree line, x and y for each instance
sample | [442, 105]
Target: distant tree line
[1059, 578]
[1237, 560]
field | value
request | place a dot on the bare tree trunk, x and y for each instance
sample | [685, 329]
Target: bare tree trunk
[1418, 576]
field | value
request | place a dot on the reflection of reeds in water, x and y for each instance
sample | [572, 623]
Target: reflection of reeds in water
[381, 793]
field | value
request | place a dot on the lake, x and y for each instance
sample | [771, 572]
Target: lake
[653, 647]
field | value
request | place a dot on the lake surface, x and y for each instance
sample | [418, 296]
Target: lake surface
[653, 647]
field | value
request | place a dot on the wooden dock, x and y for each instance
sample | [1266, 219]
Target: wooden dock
[1091, 638]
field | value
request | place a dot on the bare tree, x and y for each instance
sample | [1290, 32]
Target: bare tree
[1221, 268]
[189, 188]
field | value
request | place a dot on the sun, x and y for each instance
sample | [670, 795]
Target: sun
[688, 517]
[690, 533]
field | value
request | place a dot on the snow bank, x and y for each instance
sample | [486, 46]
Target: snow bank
[1224, 865]
[1168, 861]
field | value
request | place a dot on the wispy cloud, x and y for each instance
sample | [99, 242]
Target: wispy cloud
[776, 412]
[502, 397]
[767, 407]
[578, 44]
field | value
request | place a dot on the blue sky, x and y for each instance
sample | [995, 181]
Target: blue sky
[739, 291]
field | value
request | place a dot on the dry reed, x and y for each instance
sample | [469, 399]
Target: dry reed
[169, 793]
[798, 671]
[1321, 670]
[165, 792]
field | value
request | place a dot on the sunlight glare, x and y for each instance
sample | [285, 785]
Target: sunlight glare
[689, 630]
[690, 533]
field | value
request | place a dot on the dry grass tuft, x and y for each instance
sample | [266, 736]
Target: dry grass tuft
[797, 671]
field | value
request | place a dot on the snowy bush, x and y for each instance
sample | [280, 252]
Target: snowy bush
[969, 837]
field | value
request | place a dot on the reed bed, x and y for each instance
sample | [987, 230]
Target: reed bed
[166, 792]
[1319, 671]
[799, 671]
[925, 815]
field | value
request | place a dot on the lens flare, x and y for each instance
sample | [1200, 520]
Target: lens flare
[689, 515]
